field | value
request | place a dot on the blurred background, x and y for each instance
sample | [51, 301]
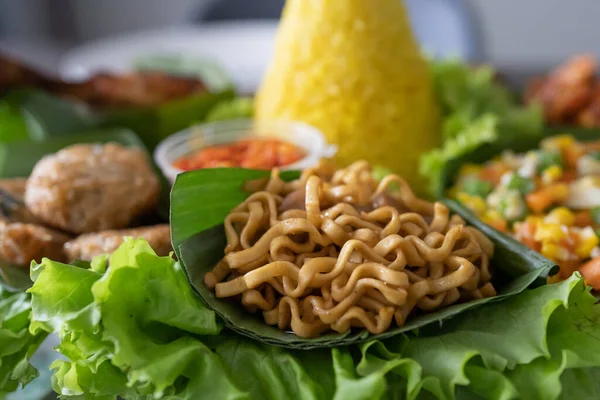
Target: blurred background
[72, 37]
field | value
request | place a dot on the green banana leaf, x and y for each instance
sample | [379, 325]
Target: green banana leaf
[50, 116]
[13, 124]
[523, 144]
[201, 199]
[18, 158]
[155, 124]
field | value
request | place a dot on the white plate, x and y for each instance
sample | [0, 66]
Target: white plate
[242, 48]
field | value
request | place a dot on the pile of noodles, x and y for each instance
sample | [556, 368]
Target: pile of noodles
[337, 249]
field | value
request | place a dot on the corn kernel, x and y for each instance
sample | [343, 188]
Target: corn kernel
[559, 142]
[492, 215]
[551, 174]
[494, 218]
[470, 169]
[559, 191]
[474, 203]
[561, 216]
[453, 192]
[587, 242]
[549, 233]
[534, 220]
[554, 252]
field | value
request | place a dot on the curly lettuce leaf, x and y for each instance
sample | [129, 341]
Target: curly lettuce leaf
[518, 348]
[239, 107]
[475, 134]
[146, 339]
[476, 111]
[581, 384]
[136, 329]
[121, 320]
[17, 344]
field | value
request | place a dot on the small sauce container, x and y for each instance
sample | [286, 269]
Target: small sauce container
[189, 141]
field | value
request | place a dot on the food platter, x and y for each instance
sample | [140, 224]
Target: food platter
[241, 48]
[368, 225]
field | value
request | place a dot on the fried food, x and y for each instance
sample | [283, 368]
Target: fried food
[21, 243]
[104, 90]
[92, 187]
[12, 207]
[90, 245]
[14, 187]
[568, 93]
[14, 75]
[140, 89]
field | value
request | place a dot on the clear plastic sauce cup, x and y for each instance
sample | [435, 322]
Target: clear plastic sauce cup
[197, 137]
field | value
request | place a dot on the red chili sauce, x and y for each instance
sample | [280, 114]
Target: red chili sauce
[254, 153]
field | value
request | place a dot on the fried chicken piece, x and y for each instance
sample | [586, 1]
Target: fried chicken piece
[90, 245]
[533, 88]
[589, 117]
[14, 187]
[140, 89]
[136, 89]
[92, 187]
[12, 207]
[21, 243]
[14, 75]
[567, 89]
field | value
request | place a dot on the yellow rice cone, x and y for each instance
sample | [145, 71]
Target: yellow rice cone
[352, 68]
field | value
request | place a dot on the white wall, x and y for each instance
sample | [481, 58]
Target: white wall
[539, 32]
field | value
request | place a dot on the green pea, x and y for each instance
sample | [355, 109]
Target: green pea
[477, 187]
[595, 213]
[522, 184]
[547, 158]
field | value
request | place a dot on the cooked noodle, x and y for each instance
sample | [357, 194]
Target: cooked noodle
[334, 250]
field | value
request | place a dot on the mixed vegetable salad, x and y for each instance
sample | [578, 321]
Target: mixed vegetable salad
[548, 198]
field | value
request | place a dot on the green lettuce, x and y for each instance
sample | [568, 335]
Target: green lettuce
[239, 107]
[121, 327]
[477, 111]
[211, 72]
[17, 344]
[517, 348]
[132, 326]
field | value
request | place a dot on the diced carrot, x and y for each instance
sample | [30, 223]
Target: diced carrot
[591, 272]
[568, 176]
[499, 224]
[526, 233]
[493, 173]
[568, 267]
[544, 197]
[583, 219]
[593, 146]
[571, 155]
[539, 200]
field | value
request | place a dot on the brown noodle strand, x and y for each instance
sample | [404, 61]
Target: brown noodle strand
[334, 250]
